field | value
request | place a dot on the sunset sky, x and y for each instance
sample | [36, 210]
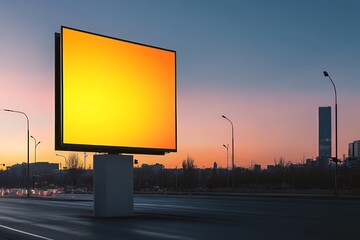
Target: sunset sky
[260, 63]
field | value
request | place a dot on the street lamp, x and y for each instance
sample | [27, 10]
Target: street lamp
[36, 143]
[59, 155]
[336, 160]
[227, 163]
[28, 166]
[232, 150]
[62, 173]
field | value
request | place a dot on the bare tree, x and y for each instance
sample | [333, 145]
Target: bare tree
[74, 168]
[73, 161]
[190, 176]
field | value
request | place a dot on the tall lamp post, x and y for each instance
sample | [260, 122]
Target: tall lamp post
[59, 155]
[36, 143]
[336, 160]
[62, 173]
[227, 163]
[232, 150]
[28, 165]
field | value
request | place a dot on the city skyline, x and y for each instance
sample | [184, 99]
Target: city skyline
[260, 64]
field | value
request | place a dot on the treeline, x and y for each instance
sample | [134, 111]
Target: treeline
[281, 176]
[156, 177]
[73, 177]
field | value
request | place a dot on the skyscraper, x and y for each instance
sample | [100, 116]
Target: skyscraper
[324, 136]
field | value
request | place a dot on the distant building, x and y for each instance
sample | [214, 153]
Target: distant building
[353, 160]
[17, 171]
[310, 163]
[257, 168]
[351, 150]
[324, 137]
[41, 168]
[356, 149]
[215, 166]
[296, 165]
[353, 163]
[154, 168]
[270, 168]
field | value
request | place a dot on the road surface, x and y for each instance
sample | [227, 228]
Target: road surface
[184, 218]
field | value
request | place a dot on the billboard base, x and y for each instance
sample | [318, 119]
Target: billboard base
[113, 185]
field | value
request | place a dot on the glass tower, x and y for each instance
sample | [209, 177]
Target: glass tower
[324, 132]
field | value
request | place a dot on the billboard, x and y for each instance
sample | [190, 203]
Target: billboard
[113, 95]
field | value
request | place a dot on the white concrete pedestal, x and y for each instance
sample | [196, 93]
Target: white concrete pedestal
[113, 185]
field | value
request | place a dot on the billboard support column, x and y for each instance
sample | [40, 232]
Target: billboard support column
[113, 185]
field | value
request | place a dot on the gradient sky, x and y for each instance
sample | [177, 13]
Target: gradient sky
[260, 63]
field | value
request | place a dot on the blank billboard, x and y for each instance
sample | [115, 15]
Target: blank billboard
[114, 95]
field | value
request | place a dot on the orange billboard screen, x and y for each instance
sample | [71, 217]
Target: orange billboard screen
[116, 95]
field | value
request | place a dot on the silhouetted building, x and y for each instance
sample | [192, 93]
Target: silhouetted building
[353, 163]
[17, 171]
[215, 166]
[351, 150]
[270, 168]
[354, 149]
[353, 160]
[257, 168]
[157, 167]
[41, 168]
[310, 163]
[324, 136]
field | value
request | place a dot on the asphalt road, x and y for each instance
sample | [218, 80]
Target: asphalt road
[184, 217]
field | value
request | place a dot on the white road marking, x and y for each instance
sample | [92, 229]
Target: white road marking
[26, 233]
[160, 235]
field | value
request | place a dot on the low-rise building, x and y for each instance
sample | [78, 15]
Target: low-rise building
[353, 159]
